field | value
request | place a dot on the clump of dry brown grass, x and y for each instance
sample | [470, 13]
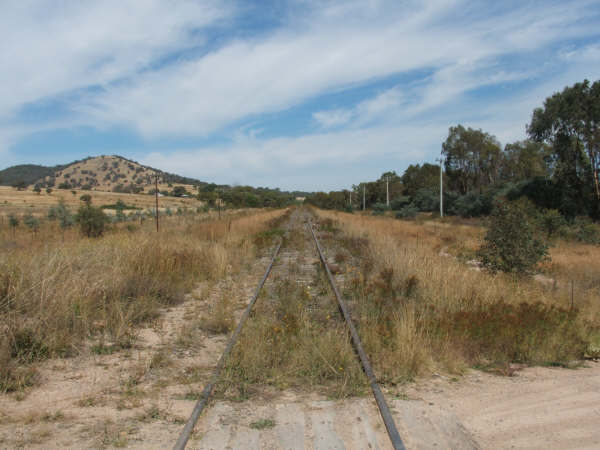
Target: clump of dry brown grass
[419, 308]
[55, 295]
[219, 319]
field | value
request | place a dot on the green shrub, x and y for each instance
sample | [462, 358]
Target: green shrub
[586, 232]
[510, 244]
[530, 333]
[92, 221]
[13, 222]
[407, 212]
[472, 205]
[32, 222]
[552, 222]
[399, 202]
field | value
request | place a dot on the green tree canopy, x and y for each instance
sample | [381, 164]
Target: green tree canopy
[569, 121]
[525, 160]
[473, 159]
[416, 177]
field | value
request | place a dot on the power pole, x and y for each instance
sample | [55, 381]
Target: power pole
[156, 196]
[364, 204]
[441, 189]
[219, 204]
[387, 191]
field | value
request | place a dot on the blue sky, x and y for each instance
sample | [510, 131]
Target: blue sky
[299, 94]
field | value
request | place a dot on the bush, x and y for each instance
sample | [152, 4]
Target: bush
[552, 222]
[407, 212]
[510, 244]
[426, 199]
[399, 202]
[587, 232]
[379, 208]
[472, 205]
[531, 333]
[32, 222]
[92, 221]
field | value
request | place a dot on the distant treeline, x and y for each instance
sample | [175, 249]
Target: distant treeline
[556, 167]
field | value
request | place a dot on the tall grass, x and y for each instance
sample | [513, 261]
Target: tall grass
[55, 293]
[420, 310]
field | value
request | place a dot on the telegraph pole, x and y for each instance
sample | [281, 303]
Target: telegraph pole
[156, 197]
[441, 189]
[364, 204]
[219, 202]
[387, 191]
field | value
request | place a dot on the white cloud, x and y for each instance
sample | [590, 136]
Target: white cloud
[333, 118]
[247, 78]
[365, 112]
[276, 161]
[48, 48]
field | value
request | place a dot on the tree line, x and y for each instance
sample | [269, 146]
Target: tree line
[555, 167]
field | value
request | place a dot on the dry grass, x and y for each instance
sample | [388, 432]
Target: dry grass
[419, 309]
[17, 202]
[55, 294]
[220, 318]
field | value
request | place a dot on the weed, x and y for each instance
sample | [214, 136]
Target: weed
[261, 424]
[91, 400]
[220, 318]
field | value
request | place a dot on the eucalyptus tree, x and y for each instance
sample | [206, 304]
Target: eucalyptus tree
[569, 121]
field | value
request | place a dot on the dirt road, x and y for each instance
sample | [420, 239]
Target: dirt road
[539, 408]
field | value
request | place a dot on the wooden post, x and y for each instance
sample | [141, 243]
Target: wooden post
[156, 195]
[572, 295]
[387, 191]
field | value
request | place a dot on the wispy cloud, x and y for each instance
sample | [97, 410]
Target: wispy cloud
[272, 161]
[49, 48]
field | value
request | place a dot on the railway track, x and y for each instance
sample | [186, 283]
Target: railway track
[301, 223]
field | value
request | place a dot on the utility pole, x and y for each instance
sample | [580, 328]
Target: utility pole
[156, 196]
[364, 204]
[219, 204]
[387, 191]
[441, 189]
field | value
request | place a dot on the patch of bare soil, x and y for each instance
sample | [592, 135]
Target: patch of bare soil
[537, 408]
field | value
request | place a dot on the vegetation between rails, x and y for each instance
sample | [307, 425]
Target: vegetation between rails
[295, 336]
[57, 291]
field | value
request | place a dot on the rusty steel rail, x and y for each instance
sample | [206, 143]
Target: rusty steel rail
[384, 410]
[203, 400]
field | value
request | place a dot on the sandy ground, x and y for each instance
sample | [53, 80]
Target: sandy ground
[538, 408]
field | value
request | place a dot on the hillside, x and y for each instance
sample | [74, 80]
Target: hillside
[101, 173]
[28, 173]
